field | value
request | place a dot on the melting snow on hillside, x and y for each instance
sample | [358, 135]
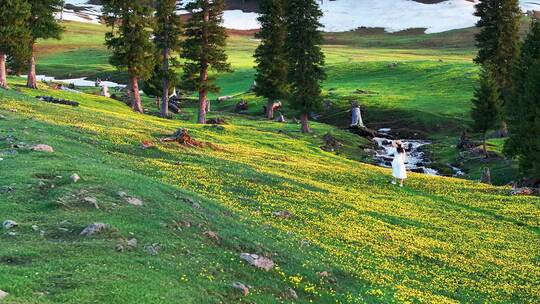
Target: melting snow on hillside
[345, 15]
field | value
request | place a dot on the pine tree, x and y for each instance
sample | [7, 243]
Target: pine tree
[498, 40]
[487, 109]
[271, 69]
[43, 25]
[305, 58]
[204, 50]
[14, 34]
[130, 41]
[523, 111]
[167, 38]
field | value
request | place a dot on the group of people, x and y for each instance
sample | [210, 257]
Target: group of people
[398, 152]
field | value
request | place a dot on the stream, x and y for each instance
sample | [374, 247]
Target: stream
[417, 160]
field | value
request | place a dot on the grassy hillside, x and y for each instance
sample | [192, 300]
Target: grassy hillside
[436, 240]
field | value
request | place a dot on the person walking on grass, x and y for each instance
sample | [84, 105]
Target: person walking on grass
[399, 172]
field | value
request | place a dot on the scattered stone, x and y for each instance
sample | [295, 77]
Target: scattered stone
[2, 117]
[323, 274]
[94, 228]
[8, 224]
[11, 233]
[132, 243]
[91, 201]
[242, 107]
[130, 199]
[242, 288]
[152, 249]
[258, 261]
[119, 248]
[42, 148]
[3, 294]
[331, 144]
[147, 145]
[291, 294]
[216, 121]
[75, 177]
[522, 191]
[212, 235]
[286, 214]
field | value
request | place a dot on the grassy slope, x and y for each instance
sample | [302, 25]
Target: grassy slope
[437, 240]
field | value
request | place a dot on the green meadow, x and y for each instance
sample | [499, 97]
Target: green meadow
[349, 237]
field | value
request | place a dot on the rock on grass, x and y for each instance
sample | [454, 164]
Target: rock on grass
[3, 294]
[8, 224]
[93, 228]
[258, 261]
[242, 288]
[42, 148]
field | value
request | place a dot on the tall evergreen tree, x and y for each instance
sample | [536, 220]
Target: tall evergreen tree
[271, 69]
[43, 25]
[498, 40]
[14, 34]
[523, 111]
[130, 41]
[487, 108]
[167, 38]
[305, 58]
[204, 49]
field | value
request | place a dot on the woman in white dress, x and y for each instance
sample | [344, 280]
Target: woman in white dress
[399, 171]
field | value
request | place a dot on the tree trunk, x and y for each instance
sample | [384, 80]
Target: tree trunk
[270, 109]
[165, 92]
[484, 146]
[304, 119]
[203, 98]
[3, 71]
[31, 82]
[136, 103]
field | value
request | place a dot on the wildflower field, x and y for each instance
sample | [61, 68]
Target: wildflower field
[351, 236]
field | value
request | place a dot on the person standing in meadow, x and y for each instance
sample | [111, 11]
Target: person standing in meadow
[399, 171]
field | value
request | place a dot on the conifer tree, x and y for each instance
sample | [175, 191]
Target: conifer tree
[487, 109]
[305, 58]
[523, 111]
[130, 42]
[154, 85]
[167, 38]
[43, 25]
[498, 40]
[14, 34]
[204, 49]
[271, 69]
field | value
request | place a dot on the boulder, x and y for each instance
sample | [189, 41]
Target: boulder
[130, 199]
[153, 249]
[8, 224]
[212, 235]
[93, 228]
[3, 294]
[132, 243]
[242, 288]
[260, 262]
[42, 148]
[75, 177]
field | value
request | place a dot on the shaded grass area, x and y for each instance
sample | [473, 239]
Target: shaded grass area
[436, 240]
